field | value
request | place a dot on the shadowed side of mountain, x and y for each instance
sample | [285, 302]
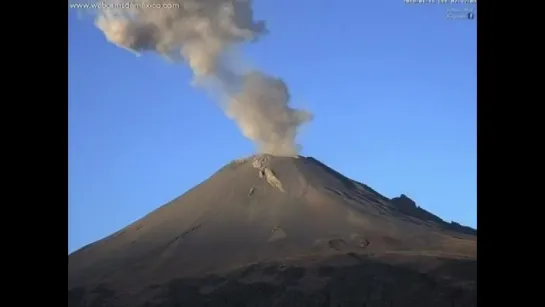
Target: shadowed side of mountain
[408, 207]
[342, 280]
[402, 205]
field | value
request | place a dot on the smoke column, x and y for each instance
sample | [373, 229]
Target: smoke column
[203, 33]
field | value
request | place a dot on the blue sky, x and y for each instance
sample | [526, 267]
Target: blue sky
[392, 87]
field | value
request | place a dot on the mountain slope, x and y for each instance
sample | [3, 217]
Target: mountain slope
[269, 214]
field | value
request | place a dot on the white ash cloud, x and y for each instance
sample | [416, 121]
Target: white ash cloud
[201, 33]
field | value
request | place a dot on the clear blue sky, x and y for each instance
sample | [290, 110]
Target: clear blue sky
[392, 87]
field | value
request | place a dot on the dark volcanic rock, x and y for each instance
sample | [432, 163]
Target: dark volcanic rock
[408, 207]
[279, 231]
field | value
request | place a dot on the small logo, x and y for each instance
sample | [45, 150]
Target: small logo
[460, 14]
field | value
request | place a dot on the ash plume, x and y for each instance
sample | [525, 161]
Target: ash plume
[203, 34]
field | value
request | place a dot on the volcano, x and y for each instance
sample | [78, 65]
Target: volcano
[280, 231]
